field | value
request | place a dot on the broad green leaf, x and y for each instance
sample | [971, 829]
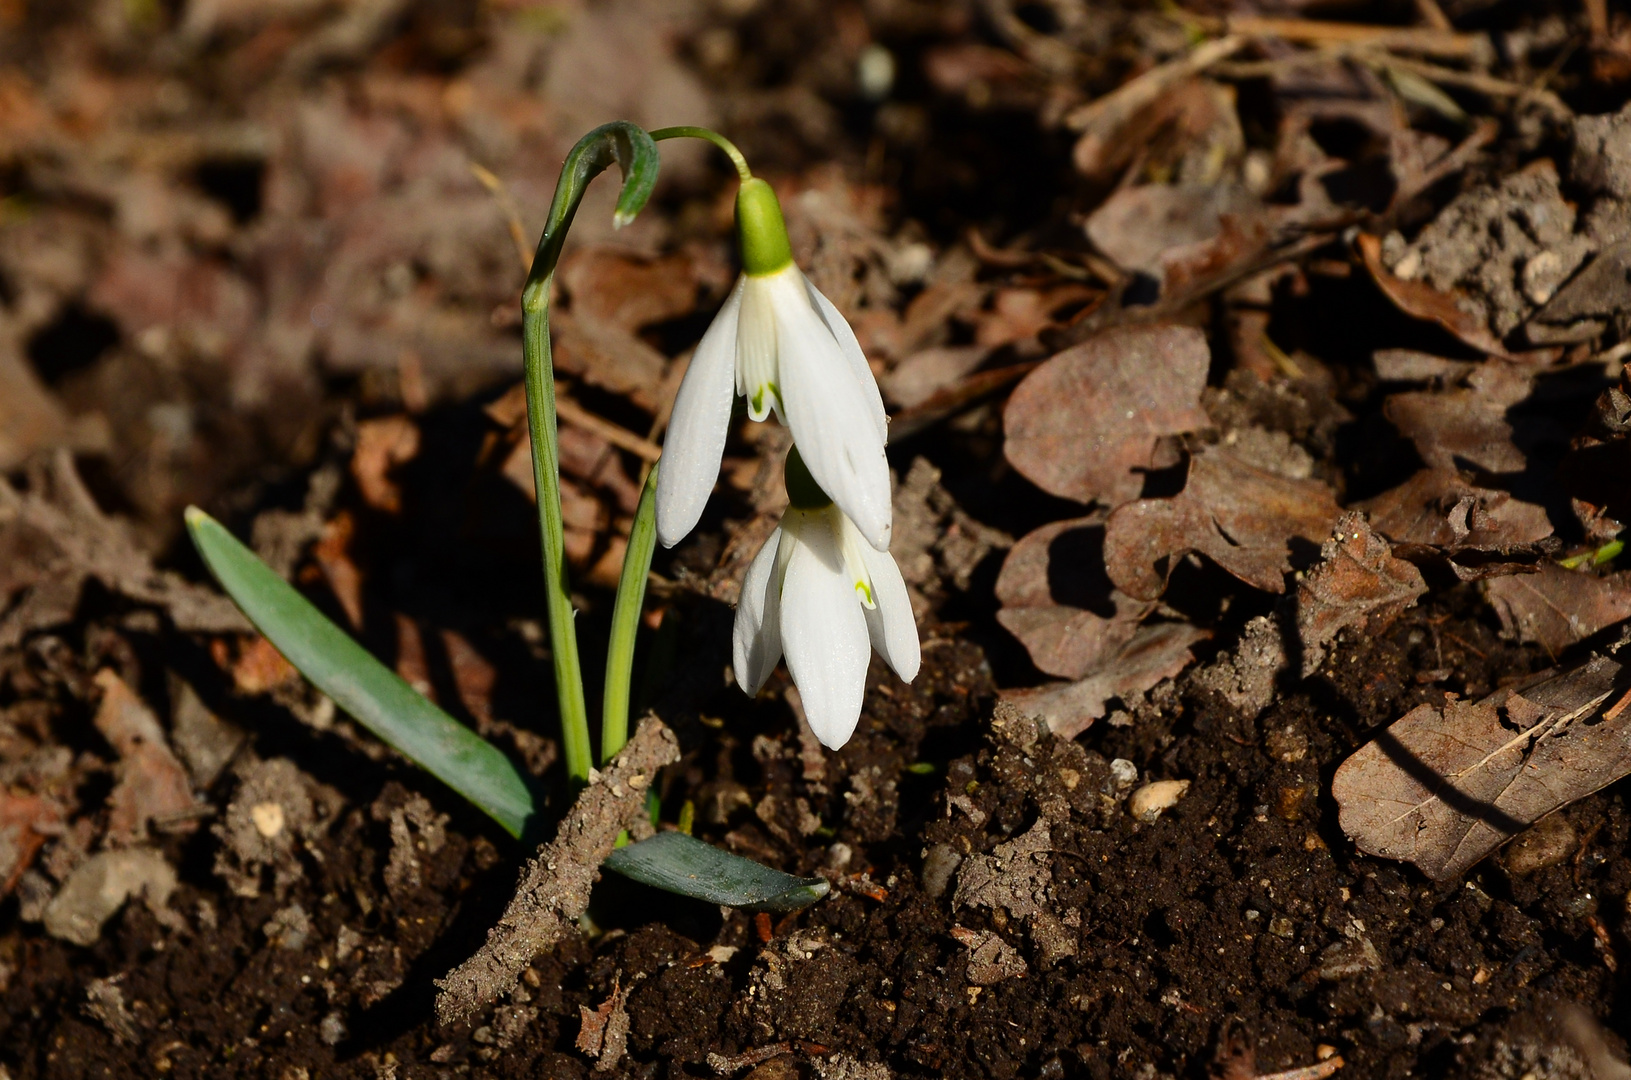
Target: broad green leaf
[359, 683]
[683, 864]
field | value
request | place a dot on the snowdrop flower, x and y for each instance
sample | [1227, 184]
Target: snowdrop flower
[818, 592]
[782, 345]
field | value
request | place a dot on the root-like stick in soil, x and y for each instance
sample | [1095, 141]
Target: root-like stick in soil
[554, 891]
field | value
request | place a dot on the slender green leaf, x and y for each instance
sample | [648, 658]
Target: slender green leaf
[682, 864]
[359, 683]
[636, 154]
[631, 595]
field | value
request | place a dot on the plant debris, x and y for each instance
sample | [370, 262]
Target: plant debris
[1101, 386]
[1241, 517]
[1445, 785]
[554, 890]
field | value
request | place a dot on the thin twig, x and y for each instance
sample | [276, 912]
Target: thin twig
[1480, 83]
[1115, 107]
[621, 437]
[1411, 39]
[554, 888]
[1433, 15]
[1597, 17]
[512, 213]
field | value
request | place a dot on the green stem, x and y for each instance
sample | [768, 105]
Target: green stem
[636, 154]
[631, 593]
[688, 132]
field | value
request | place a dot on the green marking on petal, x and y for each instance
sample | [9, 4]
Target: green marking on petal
[864, 590]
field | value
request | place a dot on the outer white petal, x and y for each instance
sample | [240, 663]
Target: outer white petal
[823, 632]
[890, 624]
[845, 335]
[697, 427]
[832, 417]
[756, 639]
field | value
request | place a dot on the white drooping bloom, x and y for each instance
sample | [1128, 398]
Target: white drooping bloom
[785, 348]
[819, 594]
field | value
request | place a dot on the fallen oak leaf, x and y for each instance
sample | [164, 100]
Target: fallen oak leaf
[1557, 607]
[1086, 423]
[25, 823]
[1444, 786]
[1058, 602]
[1454, 312]
[68, 540]
[1241, 517]
[1358, 583]
[1155, 651]
[1465, 427]
[1438, 520]
[382, 445]
[153, 787]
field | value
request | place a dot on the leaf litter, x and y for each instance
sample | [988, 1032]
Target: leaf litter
[318, 281]
[1445, 785]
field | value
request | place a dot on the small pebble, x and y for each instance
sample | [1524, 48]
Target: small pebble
[1123, 773]
[331, 1030]
[939, 864]
[268, 818]
[1152, 800]
[1548, 842]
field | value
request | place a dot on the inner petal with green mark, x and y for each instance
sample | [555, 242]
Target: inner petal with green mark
[849, 541]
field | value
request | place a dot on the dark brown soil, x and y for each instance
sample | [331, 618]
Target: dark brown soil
[1238, 933]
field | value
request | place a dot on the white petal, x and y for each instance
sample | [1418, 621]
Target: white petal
[823, 631]
[697, 427]
[832, 418]
[891, 624]
[756, 639]
[756, 345]
[845, 337]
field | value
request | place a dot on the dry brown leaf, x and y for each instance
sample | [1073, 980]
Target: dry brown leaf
[1058, 602]
[1358, 583]
[332, 554]
[31, 417]
[1557, 607]
[1442, 787]
[620, 288]
[25, 823]
[1086, 423]
[607, 356]
[926, 372]
[1242, 518]
[605, 1029]
[260, 668]
[1019, 315]
[1436, 518]
[1117, 126]
[1168, 231]
[68, 539]
[1155, 651]
[382, 445]
[1465, 427]
[153, 787]
[1458, 314]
